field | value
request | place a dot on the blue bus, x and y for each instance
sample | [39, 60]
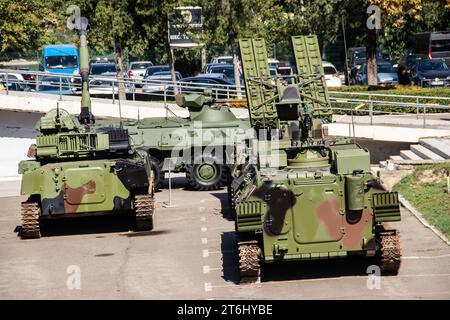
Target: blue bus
[60, 58]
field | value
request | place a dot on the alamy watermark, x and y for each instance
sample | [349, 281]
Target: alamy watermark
[73, 281]
[374, 277]
[374, 20]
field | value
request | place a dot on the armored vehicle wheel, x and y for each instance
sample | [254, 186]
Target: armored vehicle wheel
[30, 220]
[249, 261]
[207, 175]
[144, 210]
[390, 252]
[158, 173]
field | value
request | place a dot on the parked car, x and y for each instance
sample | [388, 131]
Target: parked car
[412, 59]
[273, 63]
[55, 85]
[385, 74]
[226, 69]
[198, 84]
[137, 69]
[332, 76]
[433, 44]
[16, 82]
[431, 73]
[153, 69]
[214, 75]
[158, 81]
[103, 68]
[207, 67]
[222, 59]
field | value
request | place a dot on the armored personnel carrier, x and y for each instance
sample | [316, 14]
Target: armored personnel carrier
[202, 144]
[82, 170]
[297, 193]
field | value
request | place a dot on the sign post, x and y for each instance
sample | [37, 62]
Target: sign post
[169, 165]
[185, 25]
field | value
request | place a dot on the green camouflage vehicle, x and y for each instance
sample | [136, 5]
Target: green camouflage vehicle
[202, 144]
[82, 170]
[297, 193]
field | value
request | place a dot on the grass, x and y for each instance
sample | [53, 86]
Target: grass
[426, 190]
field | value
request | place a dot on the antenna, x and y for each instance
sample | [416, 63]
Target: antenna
[57, 112]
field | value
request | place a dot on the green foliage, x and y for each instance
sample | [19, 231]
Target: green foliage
[141, 25]
[27, 24]
[426, 189]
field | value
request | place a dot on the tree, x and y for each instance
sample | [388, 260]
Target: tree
[26, 25]
[401, 18]
[228, 20]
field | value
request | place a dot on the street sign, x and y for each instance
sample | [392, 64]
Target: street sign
[169, 164]
[185, 27]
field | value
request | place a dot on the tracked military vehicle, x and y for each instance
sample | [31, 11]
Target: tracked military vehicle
[82, 170]
[202, 144]
[297, 193]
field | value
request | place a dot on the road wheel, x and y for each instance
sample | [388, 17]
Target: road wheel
[158, 173]
[207, 175]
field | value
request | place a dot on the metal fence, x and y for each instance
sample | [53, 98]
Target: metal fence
[371, 104]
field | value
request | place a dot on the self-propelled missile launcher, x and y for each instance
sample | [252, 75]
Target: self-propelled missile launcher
[297, 193]
[82, 170]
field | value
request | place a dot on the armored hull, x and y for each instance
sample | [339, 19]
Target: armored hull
[202, 145]
[80, 169]
[324, 212]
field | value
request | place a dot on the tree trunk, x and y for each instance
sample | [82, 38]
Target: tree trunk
[371, 48]
[172, 69]
[237, 75]
[120, 68]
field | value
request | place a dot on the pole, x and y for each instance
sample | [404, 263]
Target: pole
[347, 80]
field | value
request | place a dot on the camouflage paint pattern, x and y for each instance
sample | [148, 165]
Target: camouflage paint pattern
[308, 217]
[82, 186]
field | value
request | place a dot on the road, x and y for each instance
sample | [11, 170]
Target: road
[191, 255]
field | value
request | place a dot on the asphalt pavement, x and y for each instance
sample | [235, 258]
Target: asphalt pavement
[191, 254]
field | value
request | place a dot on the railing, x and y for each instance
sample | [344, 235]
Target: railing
[374, 103]
[370, 104]
[109, 86]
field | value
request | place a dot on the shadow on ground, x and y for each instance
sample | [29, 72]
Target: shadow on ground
[288, 271]
[224, 205]
[91, 225]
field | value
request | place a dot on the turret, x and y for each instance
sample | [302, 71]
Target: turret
[86, 117]
[202, 108]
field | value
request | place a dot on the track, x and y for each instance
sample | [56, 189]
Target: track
[145, 209]
[30, 220]
[390, 256]
[249, 261]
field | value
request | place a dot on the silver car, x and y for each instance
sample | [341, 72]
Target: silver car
[137, 69]
[385, 74]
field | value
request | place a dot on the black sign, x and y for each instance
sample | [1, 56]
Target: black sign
[185, 26]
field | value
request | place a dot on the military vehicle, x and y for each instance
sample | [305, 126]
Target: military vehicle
[202, 144]
[297, 193]
[81, 170]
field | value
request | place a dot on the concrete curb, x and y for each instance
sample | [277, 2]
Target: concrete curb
[419, 217]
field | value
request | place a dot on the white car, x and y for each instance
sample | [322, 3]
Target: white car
[137, 69]
[222, 59]
[332, 76]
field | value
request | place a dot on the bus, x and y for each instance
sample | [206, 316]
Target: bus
[60, 58]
